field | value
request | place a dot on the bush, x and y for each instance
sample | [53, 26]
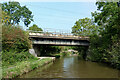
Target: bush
[13, 37]
[15, 45]
[103, 49]
[114, 54]
[11, 57]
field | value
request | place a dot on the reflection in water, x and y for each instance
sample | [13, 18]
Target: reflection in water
[72, 67]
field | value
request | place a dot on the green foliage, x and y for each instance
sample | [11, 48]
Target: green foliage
[11, 57]
[35, 28]
[57, 55]
[104, 32]
[82, 50]
[64, 54]
[49, 50]
[108, 18]
[17, 13]
[85, 27]
[13, 37]
[95, 51]
[5, 18]
[106, 47]
[113, 54]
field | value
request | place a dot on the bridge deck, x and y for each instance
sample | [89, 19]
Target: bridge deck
[57, 36]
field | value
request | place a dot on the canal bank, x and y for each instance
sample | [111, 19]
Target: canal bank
[25, 66]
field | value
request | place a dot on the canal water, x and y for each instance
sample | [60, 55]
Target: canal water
[72, 67]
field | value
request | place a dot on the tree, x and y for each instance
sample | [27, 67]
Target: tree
[107, 47]
[14, 38]
[34, 27]
[4, 18]
[17, 13]
[85, 27]
[108, 17]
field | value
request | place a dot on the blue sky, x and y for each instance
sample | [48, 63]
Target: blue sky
[59, 15]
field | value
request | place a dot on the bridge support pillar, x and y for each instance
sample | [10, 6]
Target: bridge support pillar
[32, 51]
[35, 51]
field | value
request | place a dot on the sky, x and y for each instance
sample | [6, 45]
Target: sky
[58, 16]
[54, 0]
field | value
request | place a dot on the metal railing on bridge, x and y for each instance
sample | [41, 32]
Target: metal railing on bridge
[56, 34]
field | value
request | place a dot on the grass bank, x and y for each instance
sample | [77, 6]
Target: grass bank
[23, 67]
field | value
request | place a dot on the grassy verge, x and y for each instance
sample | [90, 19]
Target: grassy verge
[23, 67]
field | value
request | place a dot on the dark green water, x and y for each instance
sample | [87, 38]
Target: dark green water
[73, 67]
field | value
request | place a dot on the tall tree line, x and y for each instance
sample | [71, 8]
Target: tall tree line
[104, 32]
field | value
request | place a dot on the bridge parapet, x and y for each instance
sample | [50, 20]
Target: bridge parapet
[56, 35]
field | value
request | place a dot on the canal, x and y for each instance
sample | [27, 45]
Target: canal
[73, 67]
